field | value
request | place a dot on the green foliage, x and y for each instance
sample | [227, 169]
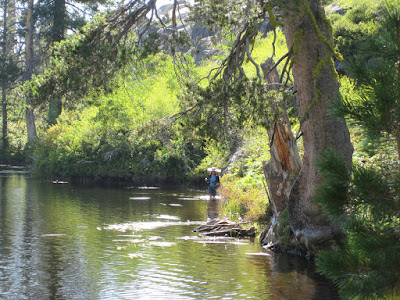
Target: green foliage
[243, 187]
[73, 72]
[85, 63]
[264, 49]
[377, 151]
[54, 19]
[217, 110]
[89, 146]
[224, 13]
[123, 134]
[243, 201]
[9, 70]
[332, 195]
[216, 155]
[352, 29]
[222, 111]
[367, 207]
[283, 229]
[375, 102]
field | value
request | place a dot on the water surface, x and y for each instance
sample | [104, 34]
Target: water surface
[63, 241]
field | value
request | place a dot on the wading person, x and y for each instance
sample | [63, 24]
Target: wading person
[212, 181]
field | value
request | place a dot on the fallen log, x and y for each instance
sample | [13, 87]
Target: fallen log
[225, 228]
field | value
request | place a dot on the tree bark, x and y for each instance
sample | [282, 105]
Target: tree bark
[284, 164]
[9, 68]
[4, 80]
[29, 69]
[285, 159]
[320, 130]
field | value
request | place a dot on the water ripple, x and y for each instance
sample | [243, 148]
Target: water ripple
[138, 226]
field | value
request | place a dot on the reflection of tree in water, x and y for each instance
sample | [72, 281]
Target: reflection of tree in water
[294, 275]
[213, 209]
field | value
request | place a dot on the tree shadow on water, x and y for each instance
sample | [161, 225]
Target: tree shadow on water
[296, 278]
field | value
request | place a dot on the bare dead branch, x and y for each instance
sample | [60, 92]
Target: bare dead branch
[252, 60]
[288, 77]
[175, 116]
[227, 60]
[284, 68]
[147, 26]
[174, 26]
[159, 19]
[273, 43]
[277, 63]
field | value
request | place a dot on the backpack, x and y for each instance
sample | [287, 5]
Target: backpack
[213, 181]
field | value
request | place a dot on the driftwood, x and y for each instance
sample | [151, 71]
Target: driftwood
[225, 228]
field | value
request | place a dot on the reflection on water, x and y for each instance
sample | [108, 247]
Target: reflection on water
[74, 242]
[213, 209]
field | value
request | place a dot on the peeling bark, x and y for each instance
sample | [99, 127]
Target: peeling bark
[285, 162]
[284, 165]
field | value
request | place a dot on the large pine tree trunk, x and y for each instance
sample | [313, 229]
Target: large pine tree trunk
[320, 130]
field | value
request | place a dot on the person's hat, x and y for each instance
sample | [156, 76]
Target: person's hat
[214, 169]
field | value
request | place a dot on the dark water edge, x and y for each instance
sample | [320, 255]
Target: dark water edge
[125, 181]
[287, 263]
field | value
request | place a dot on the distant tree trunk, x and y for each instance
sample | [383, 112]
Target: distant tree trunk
[58, 34]
[320, 130]
[3, 75]
[29, 69]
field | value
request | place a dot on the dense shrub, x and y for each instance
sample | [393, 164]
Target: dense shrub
[123, 134]
[243, 186]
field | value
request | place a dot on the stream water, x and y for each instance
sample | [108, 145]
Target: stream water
[64, 241]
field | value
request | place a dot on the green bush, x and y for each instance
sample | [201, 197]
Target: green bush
[123, 134]
[243, 201]
[242, 187]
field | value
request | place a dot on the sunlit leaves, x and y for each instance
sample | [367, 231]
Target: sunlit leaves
[124, 133]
